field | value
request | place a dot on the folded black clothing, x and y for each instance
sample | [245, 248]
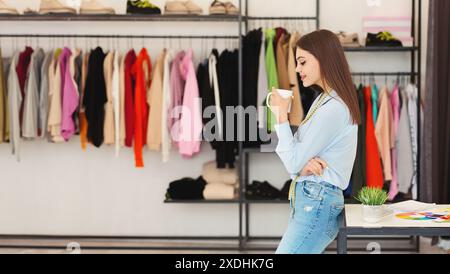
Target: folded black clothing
[186, 189]
[262, 191]
[284, 193]
[382, 39]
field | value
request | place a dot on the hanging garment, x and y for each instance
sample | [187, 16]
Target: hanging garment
[155, 101]
[251, 51]
[6, 69]
[3, 100]
[412, 93]
[142, 71]
[375, 102]
[206, 92]
[15, 101]
[177, 84]
[122, 100]
[167, 99]
[191, 125]
[130, 85]
[95, 97]
[296, 115]
[272, 73]
[251, 54]
[70, 97]
[116, 101]
[78, 80]
[405, 148]
[279, 32]
[359, 177]
[108, 126]
[83, 119]
[383, 133]
[54, 94]
[227, 150]
[22, 70]
[395, 104]
[214, 84]
[31, 104]
[263, 88]
[282, 54]
[373, 164]
[44, 95]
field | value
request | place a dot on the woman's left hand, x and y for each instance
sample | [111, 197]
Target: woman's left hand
[280, 106]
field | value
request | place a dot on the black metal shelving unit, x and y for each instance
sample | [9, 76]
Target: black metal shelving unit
[413, 73]
[244, 153]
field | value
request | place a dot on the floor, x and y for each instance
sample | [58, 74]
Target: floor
[187, 247]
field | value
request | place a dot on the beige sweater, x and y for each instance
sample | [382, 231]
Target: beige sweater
[383, 135]
[109, 107]
[2, 100]
[155, 102]
[122, 100]
[54, 94]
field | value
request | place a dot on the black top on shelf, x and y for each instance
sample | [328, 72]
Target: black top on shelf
[118, 17]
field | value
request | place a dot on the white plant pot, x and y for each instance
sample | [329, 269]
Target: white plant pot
[372, 214]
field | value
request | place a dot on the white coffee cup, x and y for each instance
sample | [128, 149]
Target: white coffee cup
[286, 94]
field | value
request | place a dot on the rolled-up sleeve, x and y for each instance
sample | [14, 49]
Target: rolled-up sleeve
[324, 128]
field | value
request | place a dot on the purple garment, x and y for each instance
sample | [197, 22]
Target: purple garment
[177, 84]
[70, 97]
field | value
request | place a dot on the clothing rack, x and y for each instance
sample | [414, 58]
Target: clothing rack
[243, 169]
[416, 48]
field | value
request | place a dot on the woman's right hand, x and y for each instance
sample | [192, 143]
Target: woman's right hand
[315, 166]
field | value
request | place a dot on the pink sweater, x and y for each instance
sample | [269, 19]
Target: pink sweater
[191, 125]
[70, 97]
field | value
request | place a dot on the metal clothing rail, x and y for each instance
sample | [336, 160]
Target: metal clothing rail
[24, 35]
[384, 73]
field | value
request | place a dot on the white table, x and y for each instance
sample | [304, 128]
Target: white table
[390, 225]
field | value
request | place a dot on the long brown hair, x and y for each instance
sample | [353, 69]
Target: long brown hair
[327, 49]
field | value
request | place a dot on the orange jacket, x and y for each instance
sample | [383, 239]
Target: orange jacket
[373, 163]
[141, 71]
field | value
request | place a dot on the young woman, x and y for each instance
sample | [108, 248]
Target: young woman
[320, 156]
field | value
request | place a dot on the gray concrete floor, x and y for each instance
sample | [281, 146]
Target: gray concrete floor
[207, 247]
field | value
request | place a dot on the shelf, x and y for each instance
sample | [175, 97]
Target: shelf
[246, 201]
[140, 17]
[201, 201]
[120, 17]
[255, 150]
[380, 49]
[267, 201]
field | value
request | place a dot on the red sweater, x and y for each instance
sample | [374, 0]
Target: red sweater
[373, 162]
[130, 59]
[143, 82]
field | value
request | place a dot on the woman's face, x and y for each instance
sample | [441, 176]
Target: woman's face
[308, 67]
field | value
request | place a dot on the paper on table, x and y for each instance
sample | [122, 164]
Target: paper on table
[410, 206]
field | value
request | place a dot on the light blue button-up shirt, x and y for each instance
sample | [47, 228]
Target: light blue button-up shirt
[330, 135]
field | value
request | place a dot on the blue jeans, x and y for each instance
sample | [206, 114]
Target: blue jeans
[315, 220]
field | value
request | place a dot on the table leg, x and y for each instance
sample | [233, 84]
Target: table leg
[342, 243]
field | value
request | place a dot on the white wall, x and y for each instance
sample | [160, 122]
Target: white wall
[58, 189]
